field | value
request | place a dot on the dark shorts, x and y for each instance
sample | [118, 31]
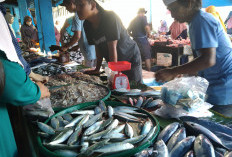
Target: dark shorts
[144, 47]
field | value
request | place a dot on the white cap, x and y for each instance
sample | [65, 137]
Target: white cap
[2, 1]
[167, 2]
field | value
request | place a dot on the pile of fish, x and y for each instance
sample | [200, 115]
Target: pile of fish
[51, 69]
[77, 93]
[144, 102]
[65, 79]
[102, 129]
[189, 140]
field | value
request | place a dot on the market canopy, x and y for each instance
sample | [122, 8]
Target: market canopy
[217, 3]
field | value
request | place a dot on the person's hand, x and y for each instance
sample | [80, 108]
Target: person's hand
[38, 78]
[166, 75]
[44, 90]
[92, 72]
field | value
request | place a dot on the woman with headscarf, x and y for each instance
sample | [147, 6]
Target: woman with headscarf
[212, 49]
[212, 9]
[28, 33]
[163, 29]
[178, 30]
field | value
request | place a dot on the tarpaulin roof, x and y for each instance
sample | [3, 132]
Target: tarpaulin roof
[217, 3]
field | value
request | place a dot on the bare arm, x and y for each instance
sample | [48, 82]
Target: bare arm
[206, 60]
[99, 59]
[66, 24]
[112, 47]
[148, 30]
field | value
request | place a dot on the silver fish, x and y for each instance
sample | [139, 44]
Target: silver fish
[115, 147]
[83, 121]
[63, 136]
[135, 140]
[55, 123]
[129, 130]
[113, 125]
[147, 127]
[127, 115]
[67, 117]
[66, 153]
[154, 103]
[93, 120]
[112, 135]
[66, 122]
[149, 135]
[179, 135]
[168, 131]
[75, 121]
[61, 146]
[102, 105]
[110, 111]
[97, 110]
[106, 123]
[125, 118]
[43, 134]
[46, 128]
[74, 137]
[83, 112]
[125, 108]
[160, 149]
[85, 146]
[94, 128]
[203, 147]
[119, 128]
[98, 135]
[139, 102]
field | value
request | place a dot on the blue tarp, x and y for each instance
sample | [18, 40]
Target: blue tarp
[217, 3]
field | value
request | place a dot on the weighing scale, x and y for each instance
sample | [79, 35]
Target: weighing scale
[120, 79]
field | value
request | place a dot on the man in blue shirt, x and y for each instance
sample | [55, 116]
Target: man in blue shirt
[213, 53]
[79, 36]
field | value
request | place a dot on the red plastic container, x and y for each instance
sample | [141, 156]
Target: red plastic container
[119, 66]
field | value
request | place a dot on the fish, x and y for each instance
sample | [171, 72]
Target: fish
[61, 137]
[203, 147]
[60, 120]
[149, 136]
[129, 130]
[85, 146]
[67, 117]
[97, 110]
[46, 128]
[74, 137]
[113, 125]
[115, 147]
[61, 146]
[41, 114]
[168, 131]
[125, 108]
[179, 135]
[135, 101]
[197, 129]
[106, 123]
[126, 115]
[135, 139]
[110, 111]
[66, 153]
[102, 105]
[182, 147]
[95, 146]
[139, 102]
[147, 127]
[93, 120]
[66, 122]
[147, 101]
[98, 135]
[130, 111]
[43, 134]
[83, 121]
[160, 149]
[74, 121]
[83, 112]
[154, 103]
[92, 129]
[131, 101]
[112, 135]
[124, 118]
[189, 154]
[119, 128]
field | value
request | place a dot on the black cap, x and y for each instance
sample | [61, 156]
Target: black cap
[142, 10]
[66, 2]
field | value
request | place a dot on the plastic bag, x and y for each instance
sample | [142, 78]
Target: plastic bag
[185, 91]
[41, 110]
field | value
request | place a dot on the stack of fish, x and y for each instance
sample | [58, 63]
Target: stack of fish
[51, 69]
[189, 140]
[144, 102]
[103, 130]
